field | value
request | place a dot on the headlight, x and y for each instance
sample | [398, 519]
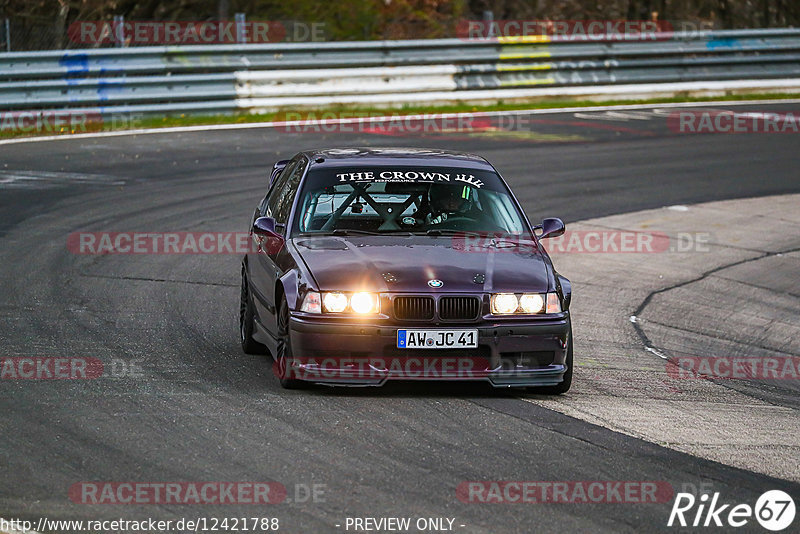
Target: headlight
[361, 303]
[531, 303]
[311, 303]
[334, 302]
[525, 303]
[364, 303]
[504, 303]
[553, 303]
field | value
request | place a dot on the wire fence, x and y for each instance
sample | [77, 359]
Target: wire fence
[19, 34]
[23, 34]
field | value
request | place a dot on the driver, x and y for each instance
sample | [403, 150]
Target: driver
[450, 200]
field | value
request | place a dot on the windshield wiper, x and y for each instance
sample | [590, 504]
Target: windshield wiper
[447, 231]
[395, 232]
[353, 231]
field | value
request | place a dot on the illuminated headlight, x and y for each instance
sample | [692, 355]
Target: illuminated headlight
[504, 303]
[334, 302]
[364, 303]
[525, 304]
[311, 303]
[531, 303]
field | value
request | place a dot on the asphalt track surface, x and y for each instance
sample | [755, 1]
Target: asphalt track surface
[201, 410]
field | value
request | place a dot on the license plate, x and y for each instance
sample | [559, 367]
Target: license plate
[437, 339]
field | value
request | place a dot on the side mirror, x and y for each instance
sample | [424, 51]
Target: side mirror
[271, 241]
[552, 227]
[264, 226]
[276, 170]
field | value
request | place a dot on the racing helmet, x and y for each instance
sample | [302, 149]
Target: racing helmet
[450, 198]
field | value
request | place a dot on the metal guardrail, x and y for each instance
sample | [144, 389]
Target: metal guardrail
[224, 78]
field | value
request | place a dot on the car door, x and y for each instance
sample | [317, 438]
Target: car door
[266, 268]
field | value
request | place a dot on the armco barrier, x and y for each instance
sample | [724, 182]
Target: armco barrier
[227, 78]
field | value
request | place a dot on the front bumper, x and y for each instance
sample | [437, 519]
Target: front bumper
[348, 353]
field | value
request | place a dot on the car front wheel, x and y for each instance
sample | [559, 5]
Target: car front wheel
[284, 352]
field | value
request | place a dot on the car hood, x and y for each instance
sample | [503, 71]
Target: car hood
[408, 263]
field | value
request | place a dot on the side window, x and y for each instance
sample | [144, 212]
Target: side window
[284, 205]
[262, 206]
[292, 185]
[277, 190]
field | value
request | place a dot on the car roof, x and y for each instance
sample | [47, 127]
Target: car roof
[393, 156]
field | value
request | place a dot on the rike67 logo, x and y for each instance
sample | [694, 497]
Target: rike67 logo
[774, 510]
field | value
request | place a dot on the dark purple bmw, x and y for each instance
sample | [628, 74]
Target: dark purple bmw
[402, 264]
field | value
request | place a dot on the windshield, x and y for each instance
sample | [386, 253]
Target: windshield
[405, 199]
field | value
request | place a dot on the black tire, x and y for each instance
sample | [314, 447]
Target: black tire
[565, 384]
[283, 356]
[246, 318]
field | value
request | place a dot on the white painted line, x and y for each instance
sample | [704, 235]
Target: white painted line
[617, 116]
[278, 124]
[349, 73]
[11, 178]
[600, 117]
[654, 351]
[345, 88]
